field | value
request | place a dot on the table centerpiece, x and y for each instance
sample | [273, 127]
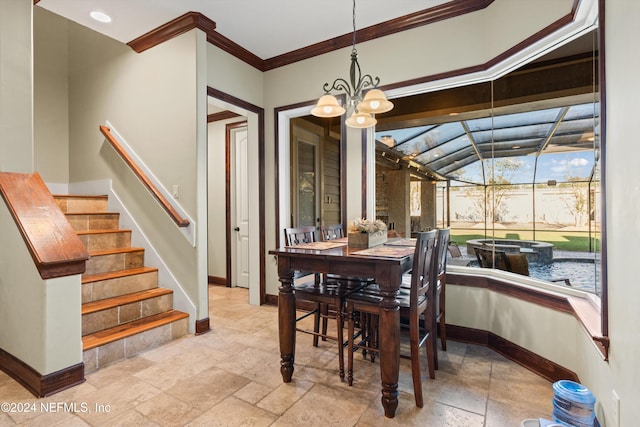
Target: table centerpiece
[364, 233]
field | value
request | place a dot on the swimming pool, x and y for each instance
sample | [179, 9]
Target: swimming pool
[584, 274]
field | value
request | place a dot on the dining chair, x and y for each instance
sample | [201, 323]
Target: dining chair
[325, 293]
[442, 248]
[294, 236]
[441, 281]
[336, 231]
[415, 303]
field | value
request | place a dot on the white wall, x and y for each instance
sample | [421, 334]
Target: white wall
[16, 87]
[40, 318]
[622, 209]
[51, 97]
[38, 327]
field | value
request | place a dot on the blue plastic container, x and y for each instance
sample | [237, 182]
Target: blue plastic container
[573, 404]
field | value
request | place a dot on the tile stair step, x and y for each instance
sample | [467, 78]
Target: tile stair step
[125, 330]
[118, 289]
[98, 277]
[114, 259]
[120, 282]
[81, 221]
[79, 203]
[120, 309]
[105, 304]
[105, 239]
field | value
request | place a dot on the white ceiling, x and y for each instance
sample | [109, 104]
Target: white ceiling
[266, 28]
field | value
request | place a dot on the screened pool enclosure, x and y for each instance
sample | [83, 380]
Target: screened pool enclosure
[511, 164]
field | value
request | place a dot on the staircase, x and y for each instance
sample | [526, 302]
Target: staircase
[124, 312]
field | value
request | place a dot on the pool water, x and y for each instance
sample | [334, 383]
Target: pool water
[583, 274]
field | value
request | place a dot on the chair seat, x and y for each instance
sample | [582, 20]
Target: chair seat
[333, 290]
[348, 280]
[370, 294]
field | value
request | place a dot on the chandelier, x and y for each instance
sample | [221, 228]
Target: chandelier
[363, 108]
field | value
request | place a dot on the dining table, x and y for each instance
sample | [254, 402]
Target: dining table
[385, 263]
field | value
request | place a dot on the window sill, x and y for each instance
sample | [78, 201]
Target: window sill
[587, 310]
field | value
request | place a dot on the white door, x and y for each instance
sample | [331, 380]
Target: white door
[240, 210]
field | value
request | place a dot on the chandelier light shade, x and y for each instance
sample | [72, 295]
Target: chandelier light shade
[363, 109]
[328, 106]
[375, 102]
[361, 120]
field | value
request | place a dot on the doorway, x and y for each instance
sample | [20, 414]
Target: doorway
[234, 257]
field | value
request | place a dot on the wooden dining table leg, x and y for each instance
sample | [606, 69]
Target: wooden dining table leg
[286, 321]
[389, 336]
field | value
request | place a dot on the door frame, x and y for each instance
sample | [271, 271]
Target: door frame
[282, 124]
[231, 208]
[256, 141]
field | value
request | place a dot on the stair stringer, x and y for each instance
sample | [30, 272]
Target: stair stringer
[166, 278]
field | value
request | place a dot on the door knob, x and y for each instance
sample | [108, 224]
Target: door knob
[237, 229]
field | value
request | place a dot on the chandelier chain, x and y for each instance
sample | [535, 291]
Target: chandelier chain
[354, 25]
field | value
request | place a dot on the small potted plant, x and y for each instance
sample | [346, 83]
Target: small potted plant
[364, 233]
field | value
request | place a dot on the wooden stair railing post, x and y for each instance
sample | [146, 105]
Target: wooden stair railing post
[53, 244]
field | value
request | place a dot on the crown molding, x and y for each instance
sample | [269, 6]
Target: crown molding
[171, 29]
[393, 26]
[236, 50]
[193, 20]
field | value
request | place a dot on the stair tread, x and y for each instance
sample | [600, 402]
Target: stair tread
[107, 303]
[80, 196]
[92, 213]
[125, 330]
[88, 278]
[103, 231]
[114, 251]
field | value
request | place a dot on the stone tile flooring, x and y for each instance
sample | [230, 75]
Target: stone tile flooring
[230, 377]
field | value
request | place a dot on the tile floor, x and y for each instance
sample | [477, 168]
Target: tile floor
[230, 377]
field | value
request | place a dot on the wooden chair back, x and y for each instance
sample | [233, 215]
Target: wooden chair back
[296, 235]
[443, 243]
[331, 232]
[422, 276]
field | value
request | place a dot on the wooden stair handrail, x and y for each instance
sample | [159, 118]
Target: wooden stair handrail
[175, 216]
[54, 246]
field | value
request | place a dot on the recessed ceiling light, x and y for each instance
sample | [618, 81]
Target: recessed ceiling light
[100, 16]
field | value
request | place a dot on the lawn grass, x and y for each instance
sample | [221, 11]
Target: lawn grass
[577, 241]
